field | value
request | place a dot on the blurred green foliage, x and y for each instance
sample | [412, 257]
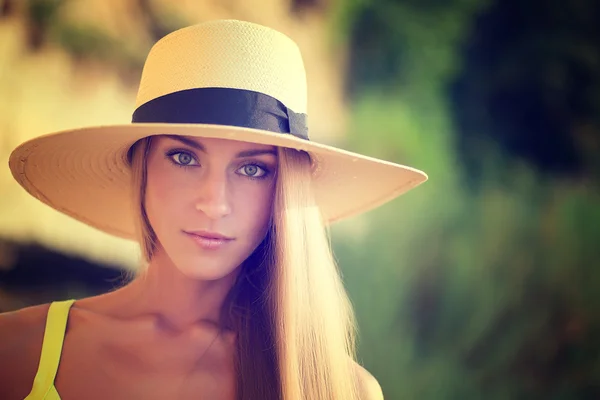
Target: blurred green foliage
[530, 79]
[460, 293]
[89, 42]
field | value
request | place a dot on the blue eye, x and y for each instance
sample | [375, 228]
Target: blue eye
[182, 158]
[253, 171]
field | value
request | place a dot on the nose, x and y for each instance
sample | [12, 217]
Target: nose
[213, 197]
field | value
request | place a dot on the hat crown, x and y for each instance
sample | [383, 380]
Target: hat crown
[226, 54]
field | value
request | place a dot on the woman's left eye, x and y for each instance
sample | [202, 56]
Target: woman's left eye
[252, 171]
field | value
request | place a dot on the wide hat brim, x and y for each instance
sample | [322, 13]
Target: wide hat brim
[84, 173]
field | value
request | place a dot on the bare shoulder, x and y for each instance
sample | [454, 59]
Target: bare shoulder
[368, 386]
[21, 336]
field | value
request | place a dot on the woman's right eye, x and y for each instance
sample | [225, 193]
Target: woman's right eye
[183, 159]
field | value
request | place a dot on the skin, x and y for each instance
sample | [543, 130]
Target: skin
[159, 336]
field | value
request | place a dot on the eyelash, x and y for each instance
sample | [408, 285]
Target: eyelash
[174, 152]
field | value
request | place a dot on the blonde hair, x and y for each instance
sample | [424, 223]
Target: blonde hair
[294, 321]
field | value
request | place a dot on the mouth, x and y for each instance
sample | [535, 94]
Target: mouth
[208, 240]
[209, 235]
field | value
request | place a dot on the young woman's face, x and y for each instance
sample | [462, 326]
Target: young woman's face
[198, 188]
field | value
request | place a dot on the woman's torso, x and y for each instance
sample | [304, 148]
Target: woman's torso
[103, 358]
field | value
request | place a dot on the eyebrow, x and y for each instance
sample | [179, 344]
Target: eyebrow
[241, 154]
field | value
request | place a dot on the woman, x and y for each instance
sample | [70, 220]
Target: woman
[239, 296]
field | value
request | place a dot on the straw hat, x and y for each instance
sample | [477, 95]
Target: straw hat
[221, 79]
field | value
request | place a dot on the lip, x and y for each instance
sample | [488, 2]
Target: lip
[209, 235]
[208, 240]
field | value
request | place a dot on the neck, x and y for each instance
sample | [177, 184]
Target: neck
[175, 300]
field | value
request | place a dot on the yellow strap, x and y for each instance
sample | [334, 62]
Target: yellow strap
[56, 324]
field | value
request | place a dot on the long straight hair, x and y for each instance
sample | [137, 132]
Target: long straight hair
[293, 320]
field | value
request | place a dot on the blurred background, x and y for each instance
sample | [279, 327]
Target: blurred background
[482, 283]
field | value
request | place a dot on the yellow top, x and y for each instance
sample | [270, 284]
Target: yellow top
[56, 324]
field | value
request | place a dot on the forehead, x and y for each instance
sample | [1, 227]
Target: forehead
[212, 144]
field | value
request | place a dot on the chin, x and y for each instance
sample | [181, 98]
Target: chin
[205, 270]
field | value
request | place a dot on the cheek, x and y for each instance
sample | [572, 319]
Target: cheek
[164, 197]
[255, 210]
